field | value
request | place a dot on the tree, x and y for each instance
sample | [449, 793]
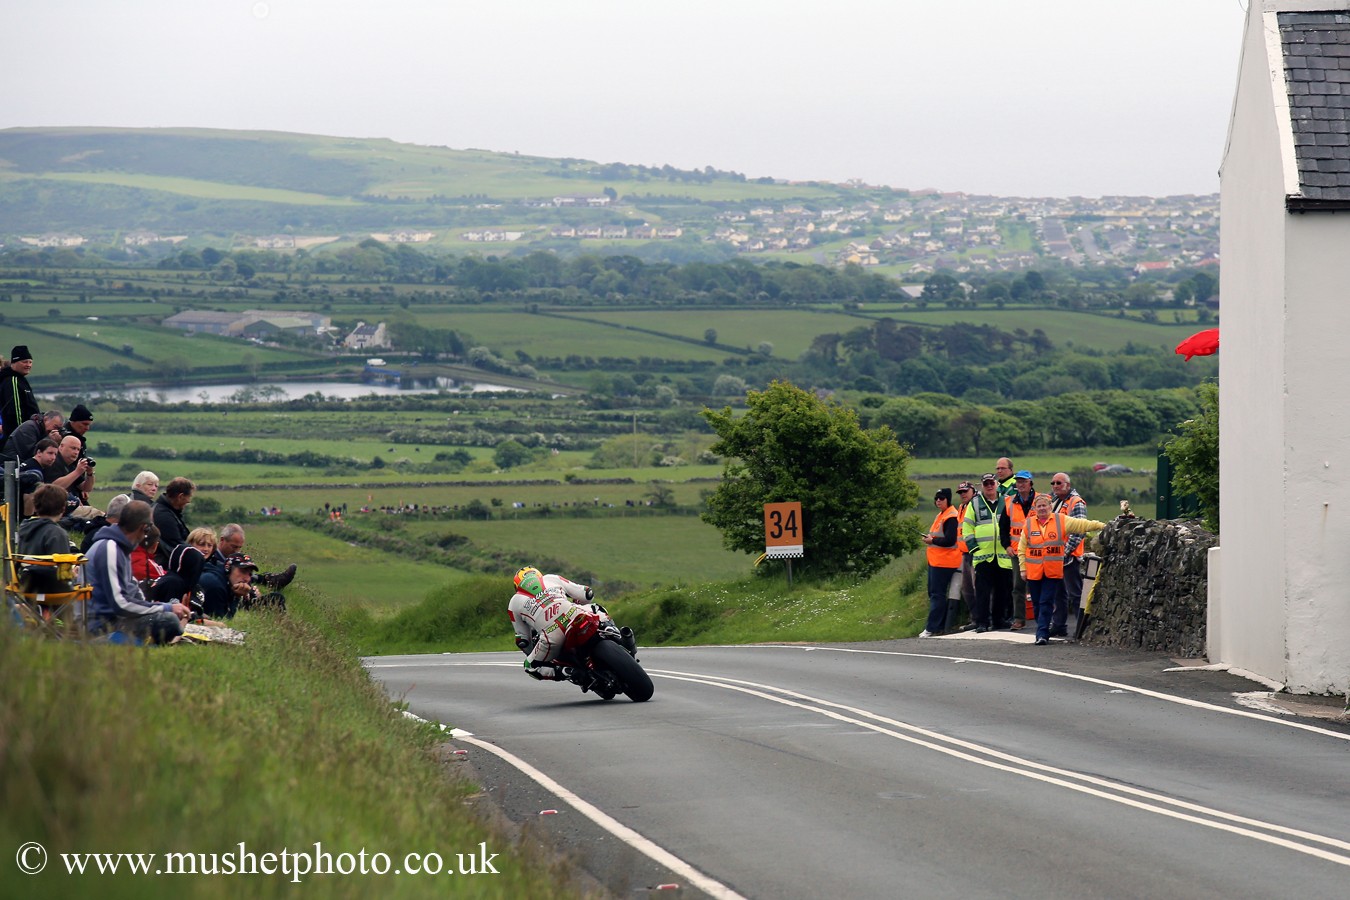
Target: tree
[1195, 456]
[511, 453]
[941, 286]
[1076, 421]
[916, 424]
[851, 483]
[710, 336]
[1132, 422]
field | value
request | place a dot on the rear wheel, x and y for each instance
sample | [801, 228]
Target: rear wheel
[637, 684]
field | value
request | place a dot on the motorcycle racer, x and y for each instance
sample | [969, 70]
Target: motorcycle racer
[542, 611]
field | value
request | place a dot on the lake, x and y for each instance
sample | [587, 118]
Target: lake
[294, 390]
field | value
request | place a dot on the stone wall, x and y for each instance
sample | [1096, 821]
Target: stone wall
[1151, 591]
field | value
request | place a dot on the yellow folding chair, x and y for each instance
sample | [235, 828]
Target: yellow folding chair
[61, 612]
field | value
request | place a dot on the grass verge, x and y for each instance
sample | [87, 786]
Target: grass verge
[281, 743]
[471, 614]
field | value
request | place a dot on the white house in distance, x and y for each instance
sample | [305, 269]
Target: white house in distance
[1280, 583]
[367, 337]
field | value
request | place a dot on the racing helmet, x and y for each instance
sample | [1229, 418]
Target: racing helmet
[530, 580]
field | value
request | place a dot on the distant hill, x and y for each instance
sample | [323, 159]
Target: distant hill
[116, 190]
[192, 180]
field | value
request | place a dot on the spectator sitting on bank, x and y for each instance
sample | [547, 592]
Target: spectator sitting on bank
[189, 558]
[17, 403]
[182, 578]
[33, 470]
[19, 445]
[117, 603]
[43, 536]
[90, 527]
[79, 423]
[143, 564]
[145, 487]
[169, 517]
[74, 473]
[231, 543]
[229, 588]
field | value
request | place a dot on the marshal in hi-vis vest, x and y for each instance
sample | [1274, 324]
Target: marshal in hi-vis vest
[944, 557]
[1071, 505]
[979, 529]
[1045, 548]
[1017, 517]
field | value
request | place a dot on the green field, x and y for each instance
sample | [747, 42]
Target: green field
[343, 573]
[1066, 328]
[645, 550]
[164, 343]
[191, 187]
[563, 335]
[790, 331]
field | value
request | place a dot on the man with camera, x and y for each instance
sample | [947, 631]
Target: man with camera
[74, 472]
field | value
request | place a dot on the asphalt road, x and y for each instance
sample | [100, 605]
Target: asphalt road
[951, 768]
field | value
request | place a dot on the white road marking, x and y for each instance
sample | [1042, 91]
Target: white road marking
[1125, 688]
[1092, 785]
[1145, 692]
[652, 850]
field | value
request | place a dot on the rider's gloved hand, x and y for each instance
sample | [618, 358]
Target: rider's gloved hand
[542, 673]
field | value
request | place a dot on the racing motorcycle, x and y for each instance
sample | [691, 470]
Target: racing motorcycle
[601, 658]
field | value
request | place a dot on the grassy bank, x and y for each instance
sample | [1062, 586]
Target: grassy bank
[470, 615]
[281, 743]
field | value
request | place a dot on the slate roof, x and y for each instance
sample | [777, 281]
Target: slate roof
[1316, 47]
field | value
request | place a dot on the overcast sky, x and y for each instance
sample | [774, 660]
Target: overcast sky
[1037, 98]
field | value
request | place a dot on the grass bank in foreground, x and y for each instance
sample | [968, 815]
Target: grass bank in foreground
[281, 743]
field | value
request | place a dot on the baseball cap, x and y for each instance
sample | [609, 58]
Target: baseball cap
[965, 486]
[1023, 474]
[987, 478]
[242, 561]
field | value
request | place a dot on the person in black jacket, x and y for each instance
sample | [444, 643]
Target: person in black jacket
[17, 403]
[20, 442]
[169, 508]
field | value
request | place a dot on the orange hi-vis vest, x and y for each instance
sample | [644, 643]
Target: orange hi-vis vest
[960, 540]
[944, 557]
[1069, 506]
[1045, 547]
[1017, 517]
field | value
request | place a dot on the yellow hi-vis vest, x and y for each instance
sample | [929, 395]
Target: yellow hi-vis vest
[979, 529]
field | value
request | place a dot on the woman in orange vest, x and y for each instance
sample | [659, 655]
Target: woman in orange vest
[1041, 551]
[944, 560]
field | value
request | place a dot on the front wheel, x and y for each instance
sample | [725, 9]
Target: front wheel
[637, 684]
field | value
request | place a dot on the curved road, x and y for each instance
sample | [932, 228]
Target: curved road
[907, 768]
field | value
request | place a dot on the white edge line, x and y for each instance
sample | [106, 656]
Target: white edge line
[655, 852]
[808, 648]
[1046, 773]
[1156, 695]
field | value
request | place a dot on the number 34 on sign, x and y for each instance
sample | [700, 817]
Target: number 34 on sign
[783, 532]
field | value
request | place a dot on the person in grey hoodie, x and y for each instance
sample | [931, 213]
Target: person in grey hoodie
[118, 603]
[42, 536]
